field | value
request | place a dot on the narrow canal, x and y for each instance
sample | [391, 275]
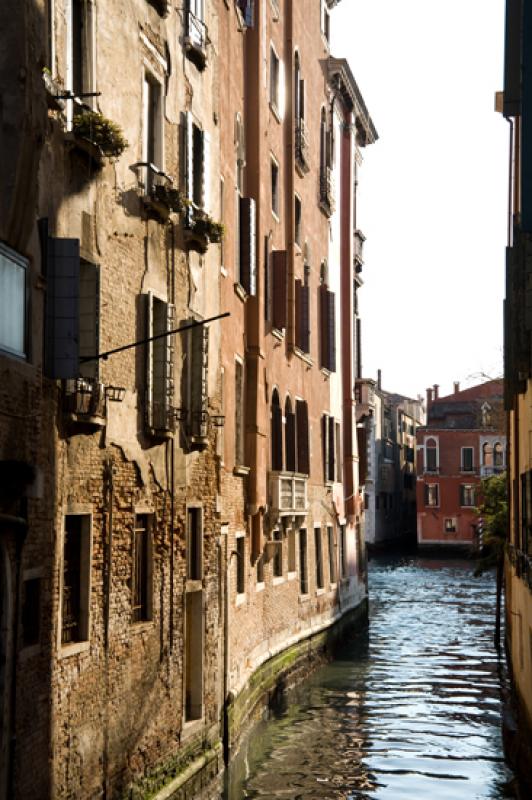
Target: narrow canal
[409, 710]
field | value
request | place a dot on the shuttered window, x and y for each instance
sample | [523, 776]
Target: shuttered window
[302, 297]
[276, 434]
[160, 318]
[197, 166]
[247, 229]
[302, 438]
[319, 558]
[198, 382]
[62, 308]
[279, 289]
[239, 413]
[330, 440]
[290, 437]
[328, 329]
[141, 583]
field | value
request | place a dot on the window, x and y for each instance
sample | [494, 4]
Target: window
[276, 433]
[467, 459]
[260, 569]
[290, 436]
[338, 452]
[247, 267]
[13, 311]
[342, 545]
[75, 595]
[278, 555]
[194, 544]
[239, 413]
[297, 220]
[366, 501]
[302, 312]
[31, 611]
[141, 594]
[326, 185]
[303, 566]
[197, 167]
[498, 455]
[160, 318]
[247, 8]
[89, 317]
[279, 289]
[152, 132]
[432, 494]
[198, 384]
[196, 33]
[431, 455]
[450, 525]
[332, 560]
[291, 550]
[328, 329]
[329, 441]
[301, 139]
[275, 82]
[80, 50]
[302, 438]
[325, 21]
[319, 558]
[275, 187]
[467, 495]
[240, 564]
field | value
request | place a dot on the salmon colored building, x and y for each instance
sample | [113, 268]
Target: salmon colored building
[463, 441]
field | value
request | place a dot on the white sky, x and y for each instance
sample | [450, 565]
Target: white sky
[433, 188]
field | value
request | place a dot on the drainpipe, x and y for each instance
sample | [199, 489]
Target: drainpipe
[109, 491]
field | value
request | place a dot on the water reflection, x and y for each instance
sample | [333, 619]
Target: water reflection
[411, 709]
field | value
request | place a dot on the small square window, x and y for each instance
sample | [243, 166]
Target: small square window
[450, 525]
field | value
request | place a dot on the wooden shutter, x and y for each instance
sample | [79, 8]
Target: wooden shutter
[277, 438]
[148, 306]
[290, 437]
[305, 319]
[299, 328]
[189, 160]
[331, 332]
[199, 380]
[302, 99]
[206, 173]
[248, 261]
[332, 442]
[280, 289]
[325, 445]
[89, 311]
[169, 368]
[62, 309]
[303, 461]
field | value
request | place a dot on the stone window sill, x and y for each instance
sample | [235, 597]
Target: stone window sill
[278, 580]
[74, 649]
[241, 470]
[241, 599]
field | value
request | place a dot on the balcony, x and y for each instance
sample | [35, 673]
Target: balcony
[288, 493]
[157, 192]
[196, 40]
[84, 402]
[487, 471]
[358, 249]
[327, 190]
[302, 148]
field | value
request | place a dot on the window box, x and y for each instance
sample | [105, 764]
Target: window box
[202, 231]
[158, 193]
[96, 137]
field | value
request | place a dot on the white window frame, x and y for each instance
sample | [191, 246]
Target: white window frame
[454, 522]
[425, 460]
[437, 487]
[462, 468]
[150, 83]
[17, 262]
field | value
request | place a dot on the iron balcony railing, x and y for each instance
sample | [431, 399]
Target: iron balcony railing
[521, 562]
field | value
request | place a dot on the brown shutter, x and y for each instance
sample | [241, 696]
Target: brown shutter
[280, 288]
[277, 438]
[299, 327]
[290, 437]
[199, 376]
[62, 308]
[331, 332]
[248, 271]
[324, 327]
[362, 443]
[331, 436]
[325, 444]
[305, 319]
[303, 461]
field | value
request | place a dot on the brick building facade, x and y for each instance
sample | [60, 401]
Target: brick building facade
[463, 441]
[175, 515]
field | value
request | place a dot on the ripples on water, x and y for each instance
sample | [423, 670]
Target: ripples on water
[409, 710]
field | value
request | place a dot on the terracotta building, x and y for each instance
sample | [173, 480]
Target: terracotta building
[516, 105]
[181, 511]
[463, 441]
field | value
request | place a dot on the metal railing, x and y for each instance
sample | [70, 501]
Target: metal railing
[84, 397]
[521, 562]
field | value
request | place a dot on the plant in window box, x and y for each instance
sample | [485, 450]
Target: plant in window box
[101, 133]
[170, 197]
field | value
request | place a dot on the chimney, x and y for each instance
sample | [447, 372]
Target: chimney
[379, 379]
[436, 391]
[429, 397]
[456, 387]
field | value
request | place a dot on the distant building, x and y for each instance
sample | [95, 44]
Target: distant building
[463, 441]
[390, 421]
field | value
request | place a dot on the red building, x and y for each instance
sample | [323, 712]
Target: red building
[463, 441]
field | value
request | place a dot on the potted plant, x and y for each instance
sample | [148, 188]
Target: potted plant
[101, 132]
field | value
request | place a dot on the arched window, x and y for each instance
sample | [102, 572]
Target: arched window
[290, 436]
[277, 433]
[498, 455]
[431, 455]
[487, 455]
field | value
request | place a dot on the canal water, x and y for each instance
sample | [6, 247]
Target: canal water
[410, 709]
